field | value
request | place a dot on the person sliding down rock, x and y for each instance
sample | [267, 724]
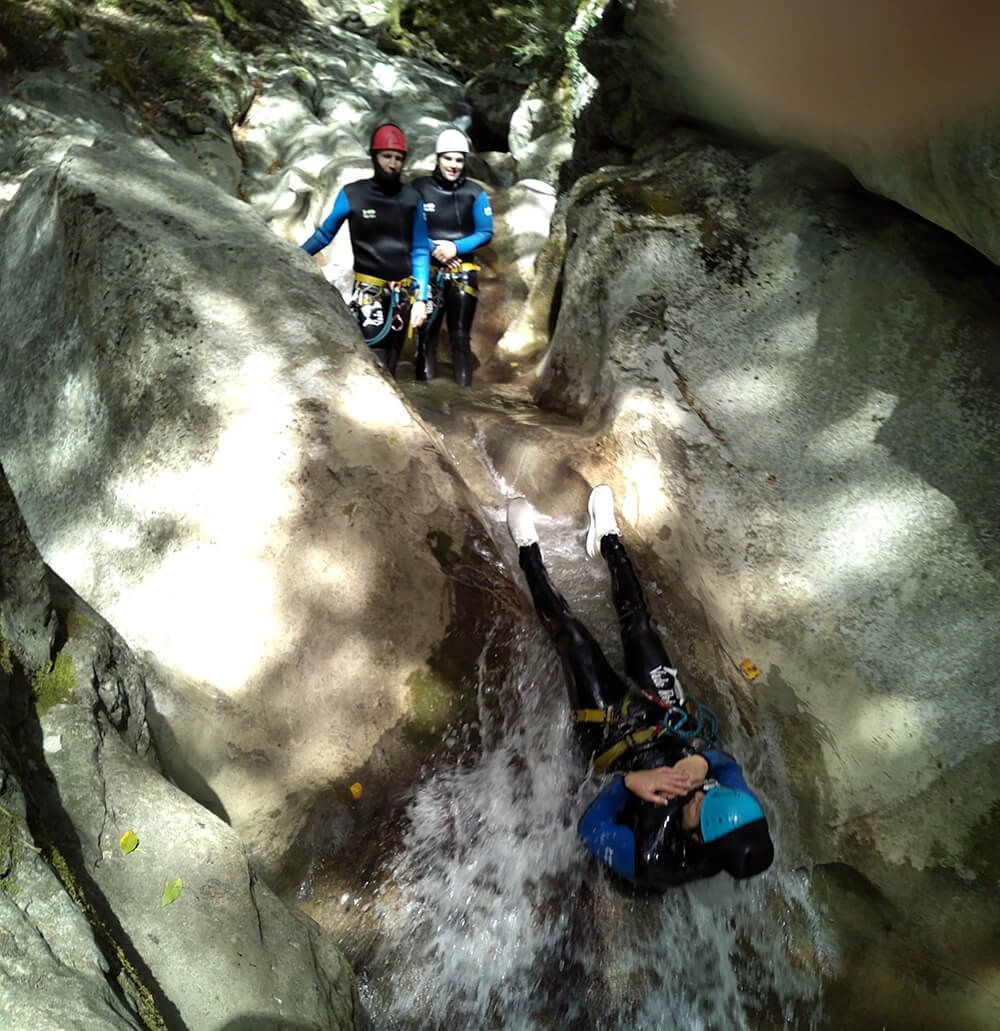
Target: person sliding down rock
[391, 248]
[459, 219]
[676, 808]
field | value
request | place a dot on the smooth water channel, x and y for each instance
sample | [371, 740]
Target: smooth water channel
[494, 916]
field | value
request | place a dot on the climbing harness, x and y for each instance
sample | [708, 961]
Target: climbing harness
[689, 720]
[367, 300]
[460, 277]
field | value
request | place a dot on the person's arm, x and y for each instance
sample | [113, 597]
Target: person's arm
[727, 771]
[482, 222]
[663, 783]
[610, 842]
[420, 252]
[420, 263]
[328, 229]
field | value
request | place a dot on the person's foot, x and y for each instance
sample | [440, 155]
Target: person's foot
[521, 522]
[602, 518]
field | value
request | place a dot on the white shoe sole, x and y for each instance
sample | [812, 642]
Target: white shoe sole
[521, 522]
[601, 524]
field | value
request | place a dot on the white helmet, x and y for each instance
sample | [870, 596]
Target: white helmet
[452, 141]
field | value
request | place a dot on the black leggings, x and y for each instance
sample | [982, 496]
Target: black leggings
[375, 306]
[590, 680]
[452, 297]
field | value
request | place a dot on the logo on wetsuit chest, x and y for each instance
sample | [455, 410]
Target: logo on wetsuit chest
[431, 207]
[367, 212]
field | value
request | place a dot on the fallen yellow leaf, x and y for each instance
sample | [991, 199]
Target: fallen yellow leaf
[128, 842]
[171, 890]
[356, 790]
[749, 670]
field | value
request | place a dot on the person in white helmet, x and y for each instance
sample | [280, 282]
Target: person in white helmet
[459, 219]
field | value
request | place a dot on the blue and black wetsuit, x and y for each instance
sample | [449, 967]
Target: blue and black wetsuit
[458, 211]
[391, 258]
[638, 840]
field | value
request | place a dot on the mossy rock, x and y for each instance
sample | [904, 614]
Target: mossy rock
[54, 683]
[638, 198]
[981, 851]
[434, 703]
[6, 658]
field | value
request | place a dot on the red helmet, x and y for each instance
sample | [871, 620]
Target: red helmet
[388, 137]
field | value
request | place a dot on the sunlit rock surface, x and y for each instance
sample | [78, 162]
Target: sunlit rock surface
[924, 147]
[797, 387]
[213, 462]
[77, 772]
[306, 133]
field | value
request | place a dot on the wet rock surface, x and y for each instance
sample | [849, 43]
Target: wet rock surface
[88, 941]
[789, 384]
[793, 383]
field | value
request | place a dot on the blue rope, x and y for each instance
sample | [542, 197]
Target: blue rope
[701, 723]
[384, 332]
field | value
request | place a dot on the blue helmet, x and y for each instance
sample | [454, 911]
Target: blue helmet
[734, 830]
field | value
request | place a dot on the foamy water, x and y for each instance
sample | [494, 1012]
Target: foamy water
[494, 916]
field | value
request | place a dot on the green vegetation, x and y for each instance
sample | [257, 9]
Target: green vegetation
[982, 845]
[529, 32]
[155, 50]
[143, 997]
[54, 683]
[6, 657]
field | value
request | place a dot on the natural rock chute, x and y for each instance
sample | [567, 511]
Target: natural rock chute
[212, 461]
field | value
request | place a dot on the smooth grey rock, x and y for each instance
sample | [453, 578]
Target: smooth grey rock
[541, 131]
[94, 777]
[942, 165]
[225, 476]
[797, 385]
[52, 975]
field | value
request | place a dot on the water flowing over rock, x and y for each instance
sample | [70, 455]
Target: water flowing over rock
[796, 384]
[222, 473]
[292, 574]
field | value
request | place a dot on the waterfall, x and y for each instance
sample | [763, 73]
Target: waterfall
[494, 916]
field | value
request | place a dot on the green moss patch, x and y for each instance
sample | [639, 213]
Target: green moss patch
[142, 996]
[11, 846]
[434, 703]
[155, 50]
[54, 683]
[6, 658]
[981, 851]
[638, 198]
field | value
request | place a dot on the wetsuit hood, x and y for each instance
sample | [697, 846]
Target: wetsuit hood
[447, 184]
[745, 852]
[389, 183]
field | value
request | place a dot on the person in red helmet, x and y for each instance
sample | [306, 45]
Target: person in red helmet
[391, 248]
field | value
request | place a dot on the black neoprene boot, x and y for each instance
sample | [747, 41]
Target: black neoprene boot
[461, 360]
[426, 363]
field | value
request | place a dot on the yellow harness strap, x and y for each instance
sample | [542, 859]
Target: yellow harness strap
[404, 284]
[630, 741]
[595, 715]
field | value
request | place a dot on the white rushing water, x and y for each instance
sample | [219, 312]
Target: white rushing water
[494, 916]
